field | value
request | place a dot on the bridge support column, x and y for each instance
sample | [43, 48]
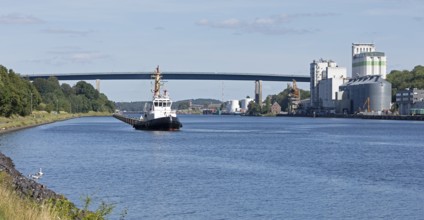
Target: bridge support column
[258, 91]
[98, 85]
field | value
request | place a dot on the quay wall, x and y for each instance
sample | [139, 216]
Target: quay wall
[381, 117]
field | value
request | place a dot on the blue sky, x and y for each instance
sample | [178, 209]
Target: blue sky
[242, 36]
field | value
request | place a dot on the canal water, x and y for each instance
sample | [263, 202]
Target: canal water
[232, 167]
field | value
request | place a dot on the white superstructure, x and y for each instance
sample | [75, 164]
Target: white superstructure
[161, 103]
[160, 107]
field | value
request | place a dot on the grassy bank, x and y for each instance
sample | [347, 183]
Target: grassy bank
[14, 207]
[40, 117]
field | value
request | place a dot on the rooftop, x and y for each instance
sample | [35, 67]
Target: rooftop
[370, 54]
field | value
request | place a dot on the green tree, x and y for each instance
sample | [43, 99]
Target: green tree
[184, 105]
[86, 89]
[401, 80]
[267, 108]
[17, 95]
[254, 109]
[82, 97]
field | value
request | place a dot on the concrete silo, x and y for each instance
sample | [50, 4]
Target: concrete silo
[368, 92]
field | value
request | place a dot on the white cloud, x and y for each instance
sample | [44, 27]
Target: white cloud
[19, 19]
[204, 22]
[70, 55]
[273, 25]
[86, 57]
[231, 23]
[264, 21]
[67, 32]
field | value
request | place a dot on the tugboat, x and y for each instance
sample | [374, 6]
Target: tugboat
[160, 115]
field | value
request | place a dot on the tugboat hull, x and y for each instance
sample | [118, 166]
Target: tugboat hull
[160, 124]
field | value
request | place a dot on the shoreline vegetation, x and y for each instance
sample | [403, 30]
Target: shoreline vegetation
[16, 122]
[24, 198]
[25, 104]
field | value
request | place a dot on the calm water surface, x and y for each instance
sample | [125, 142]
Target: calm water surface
[229, 167]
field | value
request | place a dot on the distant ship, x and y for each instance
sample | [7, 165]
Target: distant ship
[160, 116]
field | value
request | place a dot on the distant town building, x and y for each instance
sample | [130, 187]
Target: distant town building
[233, 106]
[410, 101]
[245, 104]
[366, 61]
[275, 108]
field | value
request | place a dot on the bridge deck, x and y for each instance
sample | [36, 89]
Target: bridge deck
[175, 76]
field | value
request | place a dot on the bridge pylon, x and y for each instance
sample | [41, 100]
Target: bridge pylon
[98, 85]
[258, 92]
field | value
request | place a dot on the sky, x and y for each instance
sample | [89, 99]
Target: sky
[240, 36]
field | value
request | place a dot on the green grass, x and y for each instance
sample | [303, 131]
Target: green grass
[13, 206]
[40, 117]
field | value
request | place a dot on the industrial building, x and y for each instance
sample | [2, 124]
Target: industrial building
[366, 91]
[326, 77]
[233, 106]
[245, 104]
[365, 94]
[366, 61]
[410, 101]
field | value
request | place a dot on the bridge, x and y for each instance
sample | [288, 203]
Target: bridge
[257, 77]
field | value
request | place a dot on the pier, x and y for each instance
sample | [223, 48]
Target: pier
[128, 120]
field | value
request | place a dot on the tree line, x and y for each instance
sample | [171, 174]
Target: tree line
[18, 96]
[281, 98]
[402, 79]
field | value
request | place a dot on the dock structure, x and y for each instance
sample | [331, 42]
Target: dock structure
[128, 120]
[362, 116]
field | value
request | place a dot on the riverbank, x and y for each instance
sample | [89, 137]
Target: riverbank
[24, 198]
[39, 118]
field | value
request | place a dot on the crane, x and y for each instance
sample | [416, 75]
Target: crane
[367, 102]
[294, 98]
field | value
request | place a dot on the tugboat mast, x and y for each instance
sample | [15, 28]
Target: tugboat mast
[160, 116]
